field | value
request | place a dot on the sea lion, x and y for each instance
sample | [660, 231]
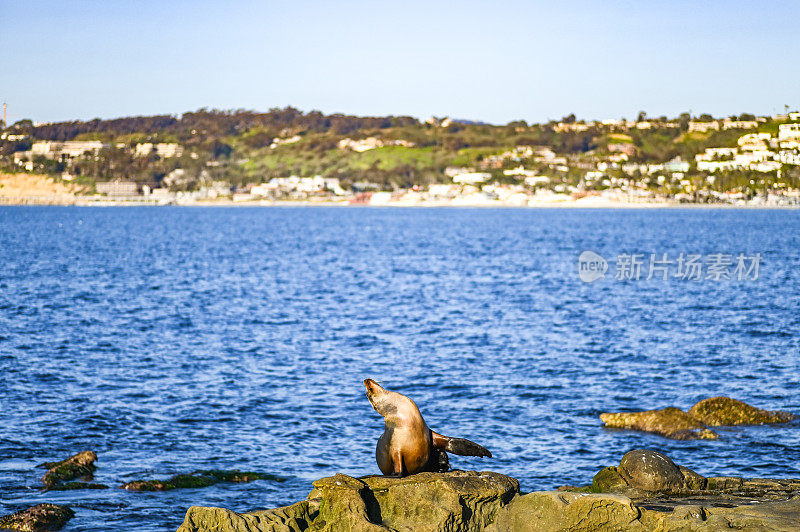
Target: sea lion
[408, 446]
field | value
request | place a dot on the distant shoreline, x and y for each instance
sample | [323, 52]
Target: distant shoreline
[576, 205]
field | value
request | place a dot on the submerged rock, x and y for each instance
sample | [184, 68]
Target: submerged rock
[717, 411]
[80, 465]
[672, 422]
[70, 486]
[39, 518]
[198, 479]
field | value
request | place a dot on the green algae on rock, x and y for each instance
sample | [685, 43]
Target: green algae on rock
[658, 495]
[458, 500]
[71, 486]
[198, 479]
[77, 466]
[718, 411]
[606, 480]
[674, 423]
[294, 518]
[40, 518]
[670, 422]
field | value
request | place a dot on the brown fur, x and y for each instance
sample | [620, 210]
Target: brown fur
[407, 446]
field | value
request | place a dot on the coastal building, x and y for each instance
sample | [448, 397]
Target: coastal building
[563, 127]
[739, 124]
[717, 166]
[676, 165]
[766, 166]
[754, 141]
[65, 150]
[789, 157]
[703, 127]
[164, 150]
[12, 137]
[117, 188]
[278, 141]
[711, 154]
[370, 143]
[789, 132]
[519, 171]
[472, 178]
[622, 147]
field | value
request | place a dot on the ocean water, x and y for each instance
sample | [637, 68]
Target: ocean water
[174, 339]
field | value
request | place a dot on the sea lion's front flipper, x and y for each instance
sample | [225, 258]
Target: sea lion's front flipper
[459, 446]
[397, 464]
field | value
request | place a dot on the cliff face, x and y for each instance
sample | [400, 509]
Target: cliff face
[20, 189]
[647, 491]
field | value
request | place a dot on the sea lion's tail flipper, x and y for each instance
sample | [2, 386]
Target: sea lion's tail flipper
[459, 446]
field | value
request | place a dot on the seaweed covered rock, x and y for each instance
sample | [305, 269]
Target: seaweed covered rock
[198, 479]
[670, 422]
[72, 486]
[607, 480]
[717, 411]
[80, 465]
[40, 518]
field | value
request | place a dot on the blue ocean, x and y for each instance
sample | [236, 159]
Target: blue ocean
[174, 339]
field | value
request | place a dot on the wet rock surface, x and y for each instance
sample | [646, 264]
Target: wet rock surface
[718, 411]
[669, 422]
[39, 518]
[80, 465]
[198, 479]
[646, 492]
[674, 423]
[72, 486]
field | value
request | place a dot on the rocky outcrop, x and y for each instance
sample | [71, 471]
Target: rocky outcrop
[647, 471]
[718, 411]
[669, 422]
[72, 486]
[198, 479]
[458, 500]
[294, 518]
[647, 491]
[672, 422]
[40, 518]
[550, 511]
[80, 465]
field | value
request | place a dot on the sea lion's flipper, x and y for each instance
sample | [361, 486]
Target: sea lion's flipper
[397, 464]
[459, 446]
[438, 462]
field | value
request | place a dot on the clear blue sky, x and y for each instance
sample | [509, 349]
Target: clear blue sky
[493, 61]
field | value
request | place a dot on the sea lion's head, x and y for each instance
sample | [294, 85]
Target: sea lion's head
[383, 401]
